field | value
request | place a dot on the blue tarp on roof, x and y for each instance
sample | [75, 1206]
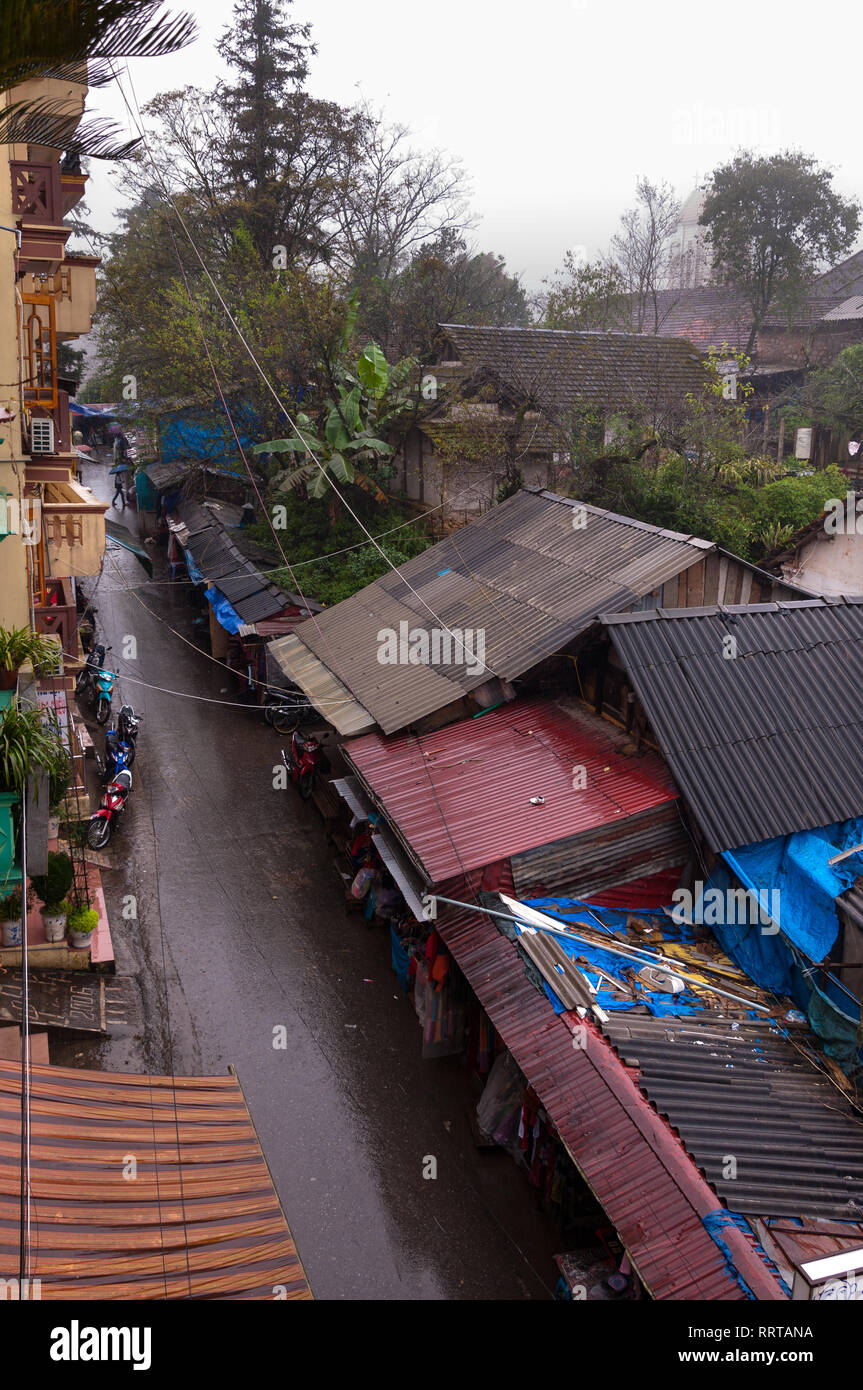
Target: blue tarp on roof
[226, 616]
[192, 569]
[91, 413]
[570, 910]
[797, 866]
[204, 434]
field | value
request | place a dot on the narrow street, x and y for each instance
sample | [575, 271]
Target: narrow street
[241, 931]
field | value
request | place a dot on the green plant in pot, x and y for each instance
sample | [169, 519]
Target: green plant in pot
[11, 916]
[81, 924]
[18, 646]
[30, 745]
[52, 888]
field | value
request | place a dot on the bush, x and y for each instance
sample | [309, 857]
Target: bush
[83, 919]
[53, 885]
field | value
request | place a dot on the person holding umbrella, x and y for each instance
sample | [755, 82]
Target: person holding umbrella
[121, 469]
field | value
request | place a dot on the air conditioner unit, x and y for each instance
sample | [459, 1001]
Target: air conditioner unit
[41, 435]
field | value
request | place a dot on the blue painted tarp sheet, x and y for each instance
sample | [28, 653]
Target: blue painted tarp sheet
[226, 616]
[613, 919]
[192, 569]
[798, 867]
[204, 433]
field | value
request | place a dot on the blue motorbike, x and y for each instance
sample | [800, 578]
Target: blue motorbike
[95, 683]
[120, 745]
[104, 683]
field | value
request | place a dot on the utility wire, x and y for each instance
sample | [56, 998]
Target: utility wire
[265, 379]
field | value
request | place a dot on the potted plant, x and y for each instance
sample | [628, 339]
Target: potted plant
[30, 744]
[11, 916]
[18, 645]
[52, 888]
[81, 924]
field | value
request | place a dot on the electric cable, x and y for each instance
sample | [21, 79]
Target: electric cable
[265, 379]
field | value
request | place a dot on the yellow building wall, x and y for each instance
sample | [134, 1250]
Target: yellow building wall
[14, 587]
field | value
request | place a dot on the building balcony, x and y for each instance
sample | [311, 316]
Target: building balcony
[58, 616]
[73, 528]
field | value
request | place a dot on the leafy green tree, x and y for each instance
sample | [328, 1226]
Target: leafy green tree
[834, 394]
[287, 153]
[586, 295]
[772, 221]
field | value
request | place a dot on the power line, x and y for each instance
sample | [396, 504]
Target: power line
[310, 452]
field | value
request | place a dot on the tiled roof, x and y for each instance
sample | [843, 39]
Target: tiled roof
[768, 742]
[563, 370]
[710, 317]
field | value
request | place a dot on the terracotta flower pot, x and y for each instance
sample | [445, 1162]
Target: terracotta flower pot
[8, 679]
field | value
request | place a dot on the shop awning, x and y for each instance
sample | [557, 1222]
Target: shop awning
[123, 537]
[405, 875]
[326, 693]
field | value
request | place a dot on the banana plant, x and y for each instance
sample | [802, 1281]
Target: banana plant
[352, 422]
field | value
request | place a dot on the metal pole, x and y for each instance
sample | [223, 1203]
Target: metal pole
[24, 1232]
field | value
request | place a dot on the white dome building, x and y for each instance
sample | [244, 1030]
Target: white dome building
[690, 262]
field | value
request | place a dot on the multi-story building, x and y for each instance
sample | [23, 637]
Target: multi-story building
[53, 529]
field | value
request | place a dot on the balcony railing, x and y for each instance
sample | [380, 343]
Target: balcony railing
[58, 616]
[73, 529]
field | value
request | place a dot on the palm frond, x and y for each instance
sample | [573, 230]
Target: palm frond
[49, 123]
[66, 34]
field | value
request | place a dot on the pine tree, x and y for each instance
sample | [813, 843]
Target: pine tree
[271, 60]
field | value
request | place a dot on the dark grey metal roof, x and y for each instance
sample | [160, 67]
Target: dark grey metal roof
[524, 574]
[740, 1090]
[768, 742]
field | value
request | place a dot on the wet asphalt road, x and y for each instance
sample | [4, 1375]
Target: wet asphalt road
[241, 926]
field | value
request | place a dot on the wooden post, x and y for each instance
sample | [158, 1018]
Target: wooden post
[780, 449]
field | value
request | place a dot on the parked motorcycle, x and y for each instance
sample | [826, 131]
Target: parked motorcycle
[285, 709]
[104, 684]
[301, 761]
[84, 681]
[120, 744]
[103, 822]
[94, 683]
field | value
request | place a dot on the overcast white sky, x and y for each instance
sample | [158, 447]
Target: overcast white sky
[557, 106]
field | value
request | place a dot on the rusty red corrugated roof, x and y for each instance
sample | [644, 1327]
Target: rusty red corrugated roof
[635, 1165]
[461, 797]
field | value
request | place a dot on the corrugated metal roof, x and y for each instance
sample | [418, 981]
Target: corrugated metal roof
[525, 575]
[607, 857]
[851, 308]
[326, 693]
[742, 1090]
[765, 744]
[461, 797]
[200, 1220]
[636, 1167]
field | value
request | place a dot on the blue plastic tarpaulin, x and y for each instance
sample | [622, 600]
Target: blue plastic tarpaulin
[226, 616]
[797, 866]
[571, 911]
[192, 569]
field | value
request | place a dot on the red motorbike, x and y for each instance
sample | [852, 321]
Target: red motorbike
[114, 797]
[301, 761]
